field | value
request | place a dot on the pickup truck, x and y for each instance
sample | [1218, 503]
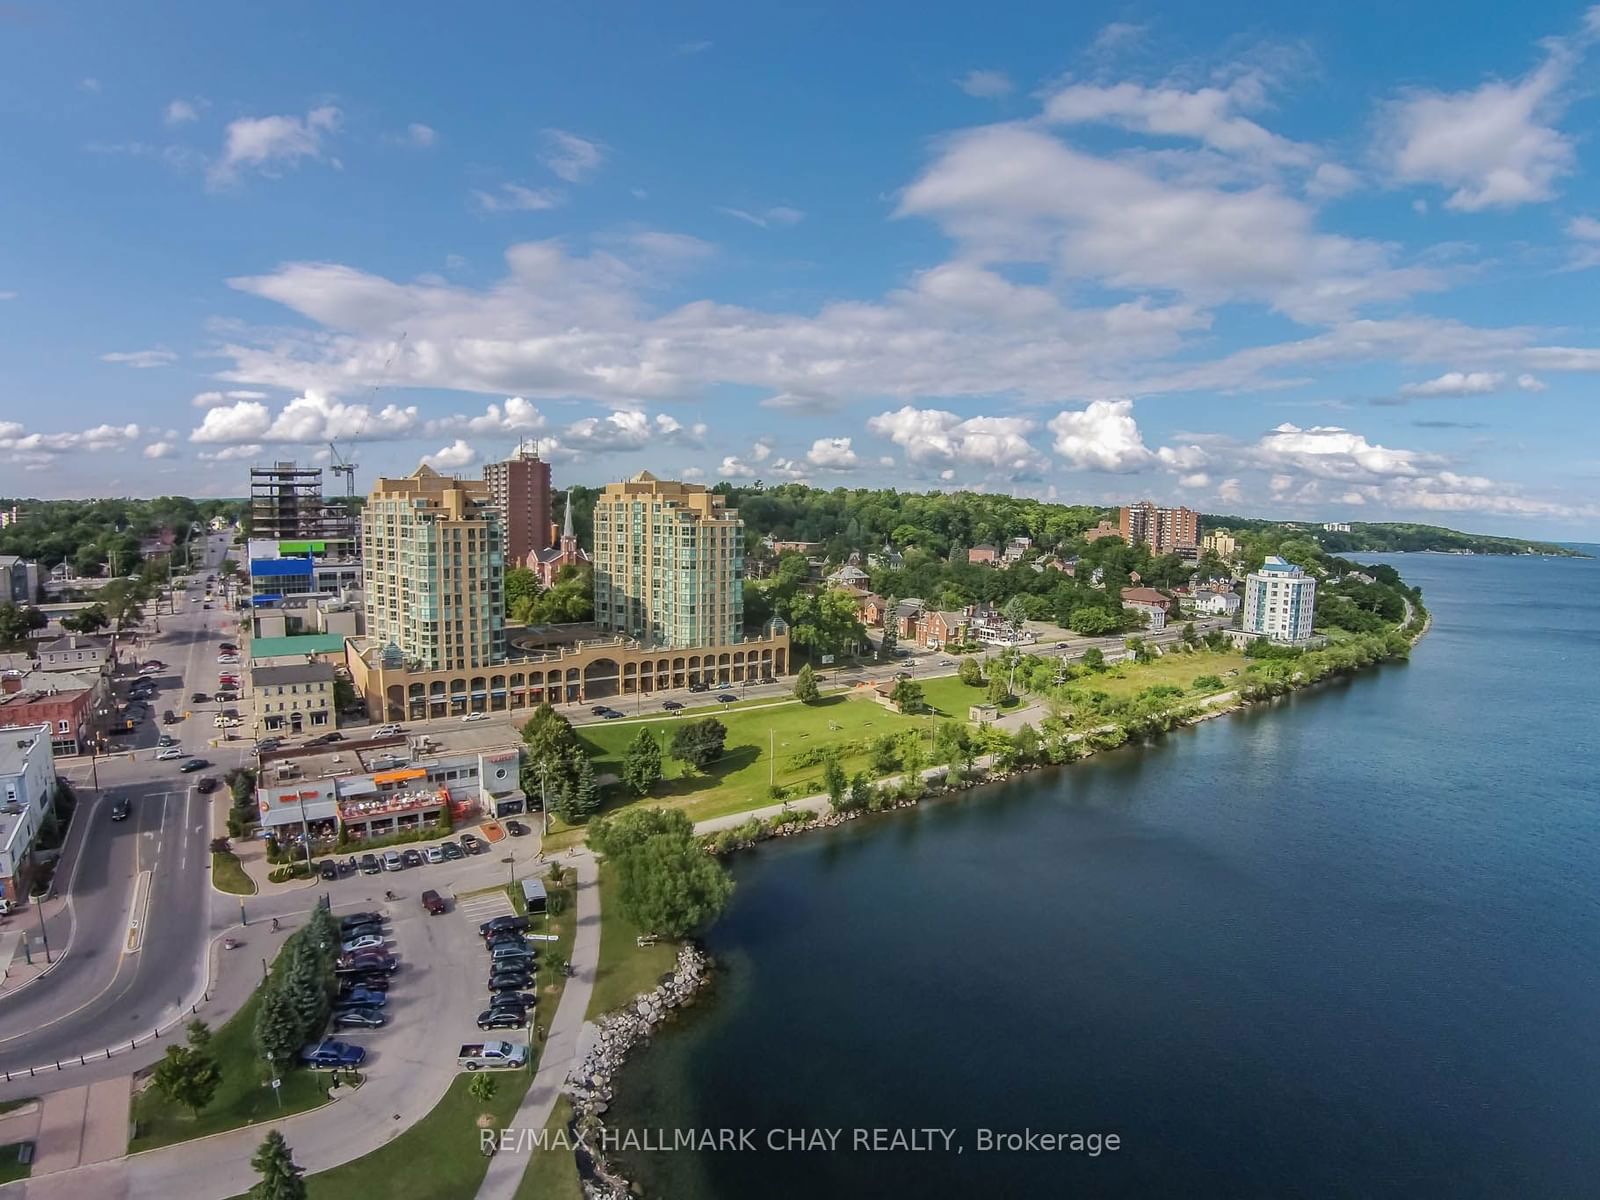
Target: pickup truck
[493, 1054]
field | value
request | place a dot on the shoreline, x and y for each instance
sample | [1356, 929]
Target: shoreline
[623, 1029]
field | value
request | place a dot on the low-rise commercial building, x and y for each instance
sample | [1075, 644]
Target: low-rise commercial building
[77, 652]
[27, 798]
[72, 705]
[293, 699]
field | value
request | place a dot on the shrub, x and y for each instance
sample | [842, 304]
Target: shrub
[1207, 683]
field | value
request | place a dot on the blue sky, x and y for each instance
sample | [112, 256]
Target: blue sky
[1335, 264]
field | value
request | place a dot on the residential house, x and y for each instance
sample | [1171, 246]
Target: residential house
[985, 554]
[1211, 603]
[848, 576]
[887, 559]
[77, 651]
[906, 614]
[27, 797]
[987, 625]
[870, 609]
[1015, 549]
[1149, 603]
[936, 629]
[789, 547]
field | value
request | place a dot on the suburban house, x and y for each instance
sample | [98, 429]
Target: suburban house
[1148, 602]
[27, 797]
[1214, 603]
[848, 576]
[293, 699]
[985, 553]
[906, 614]
[1016, 548]
[870, 608]
[936, 629]
[887, 559]
[985, 624]
[75, 652]
[782, 547]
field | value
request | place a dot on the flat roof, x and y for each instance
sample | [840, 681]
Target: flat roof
[363, 756]
[299, 643]
[297, 673]
[15, 742]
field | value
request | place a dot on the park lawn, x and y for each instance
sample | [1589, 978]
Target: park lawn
[552, 1174]
[1175, 670]
[950, 698]
[242, 1098]
[438, 1156]
[625, 967]
[11, 1170]
[227, 875]
[739, 780]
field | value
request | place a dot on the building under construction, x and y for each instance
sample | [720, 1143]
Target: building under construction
[286, 503]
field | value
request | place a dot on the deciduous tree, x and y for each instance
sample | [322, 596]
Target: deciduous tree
[699, 743]
[805, 685]
[641, 762]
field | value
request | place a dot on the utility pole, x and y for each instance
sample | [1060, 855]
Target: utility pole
[772, 758]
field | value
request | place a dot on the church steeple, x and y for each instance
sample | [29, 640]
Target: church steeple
[569, 540]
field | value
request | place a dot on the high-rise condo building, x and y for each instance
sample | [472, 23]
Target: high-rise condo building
[668, 564]
[520, 488]
[1164, 530]
[432, 571]
[1279, 601]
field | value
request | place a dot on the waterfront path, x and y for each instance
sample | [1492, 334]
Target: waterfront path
[561, 1044]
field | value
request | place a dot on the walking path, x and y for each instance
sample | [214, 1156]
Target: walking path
[562, 1045]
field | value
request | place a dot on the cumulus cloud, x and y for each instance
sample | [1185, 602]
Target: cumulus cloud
[313, 418]
[271, 145]
[1531, 383]
[516, 415]
[833, 454]
[620, 432]
[986, 85]
[1495, 146]
[452, 457]
[420, 135]
[935, 438]
[569, 156]
[17, 441]
[181, 112]
[513, 197]
[212, 399]
[1458, 383]
[245, 452]
[143, 359]
[1101, 437]
[160, 450]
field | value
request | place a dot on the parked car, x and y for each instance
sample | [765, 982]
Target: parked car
[360, 931]
[170, 751]
[476, 717]
[328, 868]
[517, 980]
[517, 829]
[411, 856]
[492, 1054]
[168, 717]
[268, 743]
[433, 903]
[359, 1018]
[502, 1018]
[506, 956]
[471, 844]
[512, 996]
[154, 666]
[351, 920]
[361, 997]
[367, 961]
[376, 985]
[198, 698]
[725, 698]
[228, 648]
[194, 764]
[366, 941]
[387, 731]
[121, 807]
[331, 1053]
[723, 683]
[433, 854]
[509, 921]
[599, 710]
[452, 850]
[333, 737]
[697, 686]
[370, 865]
[206, 784]
[393, 862]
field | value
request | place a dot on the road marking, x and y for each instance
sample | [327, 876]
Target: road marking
[137, 912]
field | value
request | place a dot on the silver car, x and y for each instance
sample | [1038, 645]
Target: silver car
[393, 862]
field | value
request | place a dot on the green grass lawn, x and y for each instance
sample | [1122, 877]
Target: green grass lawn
[11, 1170]
[227, 875]
[950, 698]
[243, 1097]
[437, 1158]
[1175, 670]
[626, 968]
[552, 1174]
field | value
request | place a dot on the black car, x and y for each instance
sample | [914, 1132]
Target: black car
[328, 869]
[333, 737]
[375, 982]
[509, 995]
[502, 1018]
[517, 829]
[412, 857]
[351, 920]
[505, 937]
[359, 964]
[699, 687]
[509, 921]
[725, 699]
[673, 705]
[206, 784]
[194, 764]
[599, 710]
[503, 976]
[120, 808]
[198, 698]
[359, 1018]
[370, 864]
[268, 743]
[451, 850]
[611, 714]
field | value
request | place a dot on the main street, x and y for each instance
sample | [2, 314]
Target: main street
[102, 992]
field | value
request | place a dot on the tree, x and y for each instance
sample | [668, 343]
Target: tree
[305, 986]
[548, 735]
[699, 743]
[1093, 620]
[1015, 613]
[835, 784]
[891, 627]
[641, 762]
[280, 1177]
[950, 743]
[1141, 651]
[998, 693]
[908, 696]
[805, 685]
[860, 790]
[198, 1035]
[277, 1031]
[668, 885]
[228, 567]
[483, 1087]
[88, 620]
[1094, 658]
[521, 587]
[579, 798]
[187, 1076]
[1189, 637]
[1025, 744]
[615, 836]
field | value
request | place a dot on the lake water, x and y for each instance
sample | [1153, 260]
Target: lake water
[1343, 945]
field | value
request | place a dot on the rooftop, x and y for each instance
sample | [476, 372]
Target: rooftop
[77, 641]
[14, 746]
[300, 643]
[301, 673]
[368, 755]
[1277, 566]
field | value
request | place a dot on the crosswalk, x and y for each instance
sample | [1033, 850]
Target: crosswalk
[485, 906]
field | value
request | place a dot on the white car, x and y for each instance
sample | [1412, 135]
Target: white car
[476, 717]
[367, 941]
[169, 752]
[433, 854]
[227, 660]
[387, 731]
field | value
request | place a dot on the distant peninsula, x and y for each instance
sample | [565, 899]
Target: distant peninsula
[1395, 536]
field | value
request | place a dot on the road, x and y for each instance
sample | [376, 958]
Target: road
[100, 995]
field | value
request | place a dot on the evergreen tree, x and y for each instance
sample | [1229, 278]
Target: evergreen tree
[280, 1177]
[187, 1076]
[277, 1031]
[805, 685]
[641, 762]
[891, 627]
[1015, 613]
[969, 672]
[580, 794]
[304, 985]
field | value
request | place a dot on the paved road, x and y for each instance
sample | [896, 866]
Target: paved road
[100, 995]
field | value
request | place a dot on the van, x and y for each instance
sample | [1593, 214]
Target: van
[433, 903]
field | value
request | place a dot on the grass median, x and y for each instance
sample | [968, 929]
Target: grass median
[228, 874]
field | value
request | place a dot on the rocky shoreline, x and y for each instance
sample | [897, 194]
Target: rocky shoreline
[590, 1084]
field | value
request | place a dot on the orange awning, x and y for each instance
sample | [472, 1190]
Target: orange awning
[400, 775]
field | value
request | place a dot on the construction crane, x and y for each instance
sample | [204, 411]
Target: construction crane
[343, 466]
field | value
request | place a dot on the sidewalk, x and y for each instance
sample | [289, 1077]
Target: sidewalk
[25, 922]
[561, 1047]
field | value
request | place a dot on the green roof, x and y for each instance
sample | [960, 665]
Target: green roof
[302, 643]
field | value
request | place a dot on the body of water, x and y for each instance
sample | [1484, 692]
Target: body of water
[1342, 945]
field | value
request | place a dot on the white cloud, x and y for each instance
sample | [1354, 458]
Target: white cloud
[762, 450]
[89, 84]
[1585, 231]
[516, 415]
[619, 432]
[1457, 383]
[986, 85]
[452, 457]
[212, 399]
[934, 438]
[242, 453]
[1198, 480]
[778, 217]
[420, 135]
[687, 48]
[833, 454]
[1496, 145]
[270, 145]
[569, 156]
[15, 439]
[313, 418]
[1101, 437]
[143, 359]
[1531, 383]
[1229, 492]
[1115, 35]
[693, 473]
[181, 112]
[160, 450]
[513, 197]
[1330, 452]
[8, 295]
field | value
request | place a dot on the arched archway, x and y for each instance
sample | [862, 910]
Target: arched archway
[396, 707]
[600, 679]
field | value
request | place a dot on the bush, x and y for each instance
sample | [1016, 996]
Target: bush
[777, 793]
[1207, 683]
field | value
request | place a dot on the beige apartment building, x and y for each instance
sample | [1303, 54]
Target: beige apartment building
[293, 699]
